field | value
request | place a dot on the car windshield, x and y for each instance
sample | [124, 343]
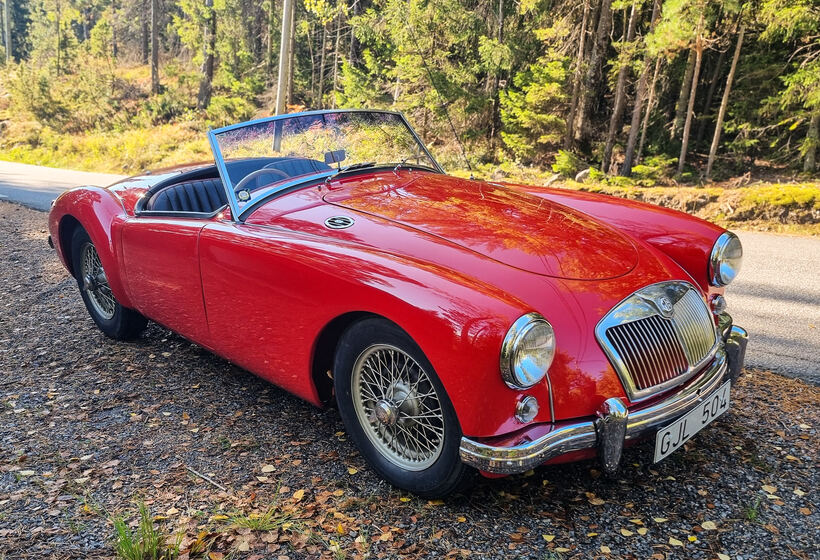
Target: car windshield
[262, 157]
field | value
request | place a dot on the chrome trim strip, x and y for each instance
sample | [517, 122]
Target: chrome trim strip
[582, 435]
[716, 256]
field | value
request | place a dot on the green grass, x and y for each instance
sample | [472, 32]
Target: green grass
[128, 151]
[146, 541]
[752, 511]
[268, 521]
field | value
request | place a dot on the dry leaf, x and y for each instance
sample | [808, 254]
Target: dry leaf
[268, 468]
[605, 549]
[627, 532]
[298, 495]
[769, 489]
[548, 538]
[805, 511]
[352, 471]
[660, 519]
[461, 519]
[709, 525]
[642, 531]
[724, 556]
[675, 542]
[404, 499]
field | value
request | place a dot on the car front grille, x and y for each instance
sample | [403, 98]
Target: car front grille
[658, 337]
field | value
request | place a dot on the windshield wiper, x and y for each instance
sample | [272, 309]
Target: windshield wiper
[351, 167]
[360, 165]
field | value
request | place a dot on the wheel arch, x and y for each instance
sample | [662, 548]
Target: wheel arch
[66, 228]
[324, 350]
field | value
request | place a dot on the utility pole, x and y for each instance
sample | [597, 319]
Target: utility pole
[284, 57]
[7, 29]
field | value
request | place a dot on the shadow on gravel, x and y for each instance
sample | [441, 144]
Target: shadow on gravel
[90, 427]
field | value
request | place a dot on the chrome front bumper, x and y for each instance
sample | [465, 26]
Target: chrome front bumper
[615, 424]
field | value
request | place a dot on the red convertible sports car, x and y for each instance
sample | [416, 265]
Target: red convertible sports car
[460, 325]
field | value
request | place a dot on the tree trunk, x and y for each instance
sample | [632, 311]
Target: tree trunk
[690, 109]
[812, 140]
[336, 58]
[724, 103]
[203, 99]
[59, 38]
[593, 74]
[353, 53]
[7, 30]
[494, 109]
[650, 105]
[322, 68]
[640, 95]
[311, 34]
[683, 98]
[289, 99]
[620, 93]
[271, 28]
[710, 94]
[154, 46]
[569, 139]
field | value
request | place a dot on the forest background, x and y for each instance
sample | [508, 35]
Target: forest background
[706, 105]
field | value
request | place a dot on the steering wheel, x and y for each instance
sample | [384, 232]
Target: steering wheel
[259, 172]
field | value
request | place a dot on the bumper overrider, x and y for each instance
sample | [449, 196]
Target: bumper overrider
[615, 424]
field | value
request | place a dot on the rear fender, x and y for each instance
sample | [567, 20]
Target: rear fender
[101, 214]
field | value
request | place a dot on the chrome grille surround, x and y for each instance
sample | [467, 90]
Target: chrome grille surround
[654, 348]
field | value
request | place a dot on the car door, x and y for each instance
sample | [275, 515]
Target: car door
[161, 256]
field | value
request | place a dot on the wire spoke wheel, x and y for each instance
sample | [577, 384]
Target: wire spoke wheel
[95, 283]
[398, 407]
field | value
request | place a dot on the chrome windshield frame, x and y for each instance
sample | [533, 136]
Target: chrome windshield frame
[239, 214]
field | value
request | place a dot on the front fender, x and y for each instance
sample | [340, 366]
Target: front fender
[286, 287]
[100, 213]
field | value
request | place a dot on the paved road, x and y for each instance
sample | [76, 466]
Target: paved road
[36, 187]
[776, 297]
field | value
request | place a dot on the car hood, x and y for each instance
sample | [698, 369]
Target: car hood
[509, 226]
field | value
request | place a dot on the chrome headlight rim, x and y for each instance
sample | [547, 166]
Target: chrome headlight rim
[515, 335]
[718, 257]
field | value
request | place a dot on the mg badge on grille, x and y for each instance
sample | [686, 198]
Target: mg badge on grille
[665, 306]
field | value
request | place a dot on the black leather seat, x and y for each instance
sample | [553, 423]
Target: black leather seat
[205, 196]
[294, 167]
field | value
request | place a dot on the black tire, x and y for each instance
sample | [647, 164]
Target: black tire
[119, 323]
[445, 473]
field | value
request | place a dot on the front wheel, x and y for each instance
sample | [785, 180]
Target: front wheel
[114, 320]
[396, 410]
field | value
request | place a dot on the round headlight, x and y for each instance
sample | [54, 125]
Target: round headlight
[725, 260]
[527, 351]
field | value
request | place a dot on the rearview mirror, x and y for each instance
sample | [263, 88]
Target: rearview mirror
[336, 156]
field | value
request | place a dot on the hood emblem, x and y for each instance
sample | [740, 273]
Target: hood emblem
[339, 222]
[665, 306]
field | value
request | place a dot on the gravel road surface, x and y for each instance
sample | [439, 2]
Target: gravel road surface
[776, 297]
[89, 427]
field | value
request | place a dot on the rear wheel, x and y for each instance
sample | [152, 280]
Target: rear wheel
[396, 410]
[111, 317]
